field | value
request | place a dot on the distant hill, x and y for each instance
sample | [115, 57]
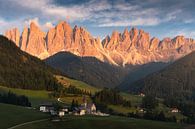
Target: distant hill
[176, 80]
[21, 70]
[87, 69]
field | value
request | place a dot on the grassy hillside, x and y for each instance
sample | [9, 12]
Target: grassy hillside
[111, 122]
[11, 115]
[78, 84]
[135, 99]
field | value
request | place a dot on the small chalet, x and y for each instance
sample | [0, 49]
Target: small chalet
[174, 110]
[46, 107]
[79, 111]
[65, 109]
[61, 113]
[142, 95]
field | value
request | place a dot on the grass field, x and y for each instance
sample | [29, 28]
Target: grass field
[136, 100]
[112, 122]
[11, 115]
[35, 96]
[121, 109]
[79, 84]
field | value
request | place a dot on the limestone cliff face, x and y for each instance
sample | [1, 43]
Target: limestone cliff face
[75, 40]
[36, 44]
[24, 38]
[59, 38]
[129, 47]
[13, 35]
[137, 47]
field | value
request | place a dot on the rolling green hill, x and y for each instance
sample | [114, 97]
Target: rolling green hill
[65, 81]
[21, 70]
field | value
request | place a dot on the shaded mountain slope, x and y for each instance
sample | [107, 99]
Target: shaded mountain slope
[87, 69]
[177, 79]
[20, 70]
[140, 72]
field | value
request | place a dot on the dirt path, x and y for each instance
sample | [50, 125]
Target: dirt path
[26, 123]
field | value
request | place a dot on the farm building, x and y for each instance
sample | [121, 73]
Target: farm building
[46, 107]
[174, 110]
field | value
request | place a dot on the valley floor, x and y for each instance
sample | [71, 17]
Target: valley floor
[11, 116]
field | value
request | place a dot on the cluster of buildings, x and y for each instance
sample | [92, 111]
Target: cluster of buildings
[49, 108]
[83, 109]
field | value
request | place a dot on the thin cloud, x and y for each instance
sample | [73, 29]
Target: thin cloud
[96, 13]
[188, 33]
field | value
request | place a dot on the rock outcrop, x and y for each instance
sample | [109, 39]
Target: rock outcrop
[13, 35]
[130, 47]
[136, 47]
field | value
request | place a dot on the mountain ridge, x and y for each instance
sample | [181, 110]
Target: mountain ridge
[134, 47]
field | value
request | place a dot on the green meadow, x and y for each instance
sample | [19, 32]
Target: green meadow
[91, 122]
[36, 97]
[11, 115]
[78, 84]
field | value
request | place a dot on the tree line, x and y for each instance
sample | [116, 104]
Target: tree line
[11, 98]
[110, 96]
[63, 91]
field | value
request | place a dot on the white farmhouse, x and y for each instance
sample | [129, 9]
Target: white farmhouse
[61, 113]
[174, 110]
[46, 107]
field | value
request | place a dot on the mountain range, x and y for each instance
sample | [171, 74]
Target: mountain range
[118, 60]
[134, 47]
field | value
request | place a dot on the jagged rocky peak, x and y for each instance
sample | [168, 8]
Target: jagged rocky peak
[134, 32]
[129, 47]
[13, 35]
[24, 38]
[59, 38]
[143, 40]
[154, 43]
[36, 44]
[179, 41]
[126, 35]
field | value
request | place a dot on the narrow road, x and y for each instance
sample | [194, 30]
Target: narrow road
[60, 100]
[26, 123]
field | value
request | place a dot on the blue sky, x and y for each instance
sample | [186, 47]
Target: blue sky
[161, 18]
